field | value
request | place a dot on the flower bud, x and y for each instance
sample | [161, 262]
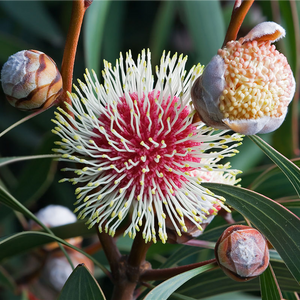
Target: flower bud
[242, 252]
[248, 85]
[31, 80]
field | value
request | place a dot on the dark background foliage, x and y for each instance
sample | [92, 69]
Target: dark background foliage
[195, 28]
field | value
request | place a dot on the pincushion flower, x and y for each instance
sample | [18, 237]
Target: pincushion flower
[137, 146]
[248, 86]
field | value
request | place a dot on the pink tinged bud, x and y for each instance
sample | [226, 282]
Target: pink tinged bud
[242, 252]
[31, 80]
[248, 85]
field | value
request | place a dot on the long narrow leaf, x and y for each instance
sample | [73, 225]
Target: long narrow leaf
[269, 286]
[165, 289]
[9, 160]
[81, 285]
[93, 33]
[205, 23]
[162, 27]
[7, 199]
[215, 282]
[291, 171]
[28, 240]
[279, 225]
[271, 171]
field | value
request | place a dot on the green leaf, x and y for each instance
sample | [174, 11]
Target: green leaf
[7, 199]
[279, 225]
[93, 30]
[290, 295]
[165, 289]
[36, 175]
[270, 172]
[269, 286]
[204, 20]
[9, 160]
[291, 171]
[113, 30]
[9, 45]
[33, 16]
[161, 30]
[215, 282]
[81, 285]
[78, 228]
[249, 156]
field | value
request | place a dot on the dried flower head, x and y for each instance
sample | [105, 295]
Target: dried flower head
[138, 146]
[248, 85]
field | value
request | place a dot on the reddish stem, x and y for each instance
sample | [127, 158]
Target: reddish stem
[131, 268]
[171, 272]
[238, 15]
[138, 251]
[111, 251]
[78, 9]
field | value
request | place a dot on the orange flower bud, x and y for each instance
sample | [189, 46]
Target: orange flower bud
[248, 85]
[242, 252]
[31, 80]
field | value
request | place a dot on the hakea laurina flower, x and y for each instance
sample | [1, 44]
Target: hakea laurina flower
[248, 85]
[138, 146]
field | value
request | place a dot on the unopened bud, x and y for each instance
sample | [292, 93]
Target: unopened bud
[31, 80]
[242, 252]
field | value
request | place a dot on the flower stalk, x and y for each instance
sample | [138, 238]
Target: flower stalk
[67, 66]
[164, 274]
[238, 15]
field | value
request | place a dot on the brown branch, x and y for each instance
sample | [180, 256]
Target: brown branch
[138, 251]
[111, 251]
[239, 12]
[168, 273]
[130, 269]
[78, 9]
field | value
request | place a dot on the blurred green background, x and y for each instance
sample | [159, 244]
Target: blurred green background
[194, 28]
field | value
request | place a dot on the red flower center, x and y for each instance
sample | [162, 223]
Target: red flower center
[149, 143]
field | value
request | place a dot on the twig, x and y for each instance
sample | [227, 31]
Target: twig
[78, 10]
[239, 12]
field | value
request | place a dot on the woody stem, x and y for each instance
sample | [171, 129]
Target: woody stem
[78, 9]
[162, 274]
[238, 15]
